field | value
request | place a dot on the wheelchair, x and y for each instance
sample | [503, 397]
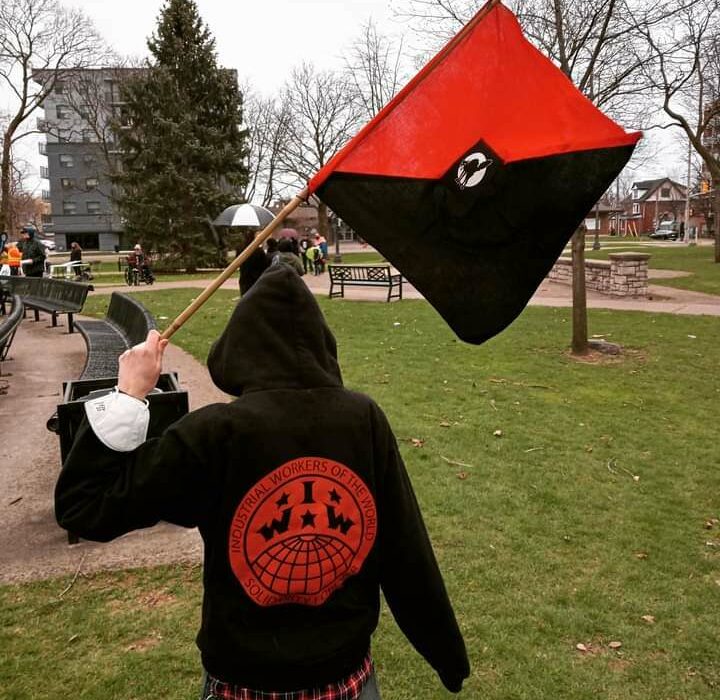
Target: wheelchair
[136, 274]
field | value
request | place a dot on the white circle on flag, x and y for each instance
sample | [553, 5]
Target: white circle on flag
[472, 169]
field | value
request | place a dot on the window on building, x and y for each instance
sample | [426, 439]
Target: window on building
[63, 112]
[91, 183]
[88, 136]
[63, 135]
[665, 192]
[47, 219]
[89, 159]
[67, 182]
[69, 207]
[66, 161]
[59, 87]
[636, 208]
[85, 111]
[93, 208]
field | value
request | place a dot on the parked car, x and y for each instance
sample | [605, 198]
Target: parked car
[666, 231]
[49, 244]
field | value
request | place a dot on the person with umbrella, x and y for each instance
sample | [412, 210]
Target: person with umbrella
[248, 218]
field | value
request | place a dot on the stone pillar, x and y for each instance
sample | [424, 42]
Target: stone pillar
[629, 274]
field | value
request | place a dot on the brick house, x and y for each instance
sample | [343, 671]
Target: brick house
[650, 203]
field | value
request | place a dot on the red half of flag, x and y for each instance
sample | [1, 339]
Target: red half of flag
[472, 180]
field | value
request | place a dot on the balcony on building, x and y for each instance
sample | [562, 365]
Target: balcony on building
[44, 172]
[46, 195]
[42, 148]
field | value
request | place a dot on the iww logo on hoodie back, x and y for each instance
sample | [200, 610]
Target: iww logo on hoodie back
[301, 531]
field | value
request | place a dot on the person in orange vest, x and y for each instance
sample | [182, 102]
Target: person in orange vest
[14, 259]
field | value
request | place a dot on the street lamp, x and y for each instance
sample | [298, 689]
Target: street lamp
[335, 223]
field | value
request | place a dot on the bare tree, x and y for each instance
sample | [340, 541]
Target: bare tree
[322, 115]
[266, 123]
[686, 72]
[599, 45]
[36, 34]
[373, 67]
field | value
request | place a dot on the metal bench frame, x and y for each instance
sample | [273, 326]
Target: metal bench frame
[364, 276]
[9, 324]
[50, 295]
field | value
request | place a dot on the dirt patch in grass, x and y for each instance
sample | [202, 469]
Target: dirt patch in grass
[144, 644]
[594, 357]
[156, 599]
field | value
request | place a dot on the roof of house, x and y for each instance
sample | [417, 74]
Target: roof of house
[651, 185]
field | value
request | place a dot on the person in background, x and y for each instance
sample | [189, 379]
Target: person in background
[285, 255]
[314, 257]
[4, 262]
[302, 529]
[75, 252]
[33, 253]
[254, 266]
[321, 242]
[303, 246]
[143, 263]
[14, 259]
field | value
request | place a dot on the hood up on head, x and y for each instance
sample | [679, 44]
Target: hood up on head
[276, 338]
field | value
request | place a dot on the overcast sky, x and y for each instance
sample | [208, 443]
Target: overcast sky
[264, 39]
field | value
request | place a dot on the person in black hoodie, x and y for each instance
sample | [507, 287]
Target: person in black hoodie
[302, 528]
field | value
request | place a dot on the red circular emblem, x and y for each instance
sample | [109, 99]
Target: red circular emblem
[301, 531]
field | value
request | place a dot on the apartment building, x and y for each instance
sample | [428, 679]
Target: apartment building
[80, 151]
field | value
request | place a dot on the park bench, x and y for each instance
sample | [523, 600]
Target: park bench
[9, 322]
[126, 323]
[51, 296]
[364, 276]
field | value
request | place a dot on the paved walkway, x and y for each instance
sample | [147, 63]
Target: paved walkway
[661, 299]
[32, 545]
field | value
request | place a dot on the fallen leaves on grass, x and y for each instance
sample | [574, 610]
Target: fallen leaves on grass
[498, 433]
[456, 463]
[612, 466]
[650, 619]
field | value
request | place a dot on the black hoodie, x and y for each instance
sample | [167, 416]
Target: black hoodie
[301, 498]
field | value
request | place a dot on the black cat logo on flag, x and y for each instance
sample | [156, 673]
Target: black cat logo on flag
[472, 180]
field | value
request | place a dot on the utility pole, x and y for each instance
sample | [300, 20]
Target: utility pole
[688, 238]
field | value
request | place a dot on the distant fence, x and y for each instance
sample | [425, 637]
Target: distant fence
[623, 275]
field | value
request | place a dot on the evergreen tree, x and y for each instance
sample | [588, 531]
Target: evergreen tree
[182, 149]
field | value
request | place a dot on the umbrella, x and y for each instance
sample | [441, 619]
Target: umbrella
[288, 233]
[244, 215]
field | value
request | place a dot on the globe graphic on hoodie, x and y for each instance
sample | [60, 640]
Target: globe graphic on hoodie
[301, 531]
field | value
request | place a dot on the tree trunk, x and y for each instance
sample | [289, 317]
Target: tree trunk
[323, 223]
[716, 217]
[579, 329]
[5, 184]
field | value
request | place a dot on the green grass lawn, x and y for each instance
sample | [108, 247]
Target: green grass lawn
[697, 260]
[569, 503]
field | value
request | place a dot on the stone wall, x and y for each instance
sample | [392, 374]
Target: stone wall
[623, 275]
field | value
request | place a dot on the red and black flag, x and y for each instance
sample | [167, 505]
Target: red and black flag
[472, 180]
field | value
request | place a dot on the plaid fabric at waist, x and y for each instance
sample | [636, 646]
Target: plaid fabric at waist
[348, 688]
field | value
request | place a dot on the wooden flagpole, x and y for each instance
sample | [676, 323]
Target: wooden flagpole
[235, 264]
